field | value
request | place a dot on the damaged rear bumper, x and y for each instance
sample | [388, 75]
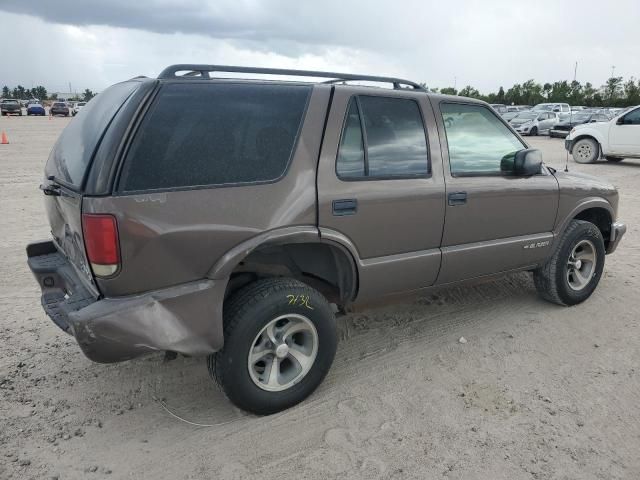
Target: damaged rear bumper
[186, 318]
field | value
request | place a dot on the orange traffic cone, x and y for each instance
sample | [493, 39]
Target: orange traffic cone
[5, 140]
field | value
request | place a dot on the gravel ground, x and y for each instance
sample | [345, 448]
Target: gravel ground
[537, 391]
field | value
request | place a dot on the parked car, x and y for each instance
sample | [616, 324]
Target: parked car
[534, 123]
[499, 107]
[561, 130]
[575, 108]
[60, 108]
[77, 107]
[616, 139]
[35, 109]
[328, 196]
[10, 106]
[552, 107]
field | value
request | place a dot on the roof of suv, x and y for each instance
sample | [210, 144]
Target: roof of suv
[203, 72]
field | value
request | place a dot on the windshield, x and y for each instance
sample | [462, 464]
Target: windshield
[11, 102]
[544, 107]
[526, 116]
[580, 117]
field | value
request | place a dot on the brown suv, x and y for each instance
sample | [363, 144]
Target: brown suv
[232, 218]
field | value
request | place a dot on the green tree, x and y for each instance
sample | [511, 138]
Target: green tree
[500, 96]
[40, 92]
[5, 92]
[588, 93]
[53, 96]
[514, 95]
[613, 89]
[448, 91]
[469, 91]
[632, 92]
[560, 91]
[88, 95]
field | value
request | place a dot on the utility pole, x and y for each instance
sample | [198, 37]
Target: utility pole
[455, 83]
[613, 69]
[575, 72]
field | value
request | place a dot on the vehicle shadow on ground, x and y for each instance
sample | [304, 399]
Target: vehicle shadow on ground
[182, 387]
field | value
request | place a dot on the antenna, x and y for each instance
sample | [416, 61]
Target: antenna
[566, 163]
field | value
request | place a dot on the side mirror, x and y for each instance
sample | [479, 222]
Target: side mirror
[620, 121]
[556, 109]
[527, 162]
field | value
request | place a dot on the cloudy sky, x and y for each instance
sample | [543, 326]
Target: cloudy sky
[489, 43]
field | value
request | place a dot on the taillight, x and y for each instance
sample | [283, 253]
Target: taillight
[101, 242]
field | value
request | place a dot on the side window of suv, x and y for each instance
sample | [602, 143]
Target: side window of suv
[382, 137]
[479, 143]
[215, 134]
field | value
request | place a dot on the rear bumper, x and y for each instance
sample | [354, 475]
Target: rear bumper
[618, 229]
[186, 318]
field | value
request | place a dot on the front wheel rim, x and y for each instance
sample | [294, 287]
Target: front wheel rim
[283, 352]
[581, 265]
[585, 151]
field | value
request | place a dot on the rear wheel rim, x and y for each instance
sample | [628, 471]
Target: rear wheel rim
[581, 265]
[283, 352]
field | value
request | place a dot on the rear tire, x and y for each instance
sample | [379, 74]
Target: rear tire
[572, 273]
[276, 323]
[586, 150]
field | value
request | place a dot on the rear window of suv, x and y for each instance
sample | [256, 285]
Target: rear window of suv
[74, 149]
[202, 134]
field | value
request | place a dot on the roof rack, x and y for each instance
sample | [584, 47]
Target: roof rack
[195, 71]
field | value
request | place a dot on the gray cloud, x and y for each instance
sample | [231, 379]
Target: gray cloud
[483, 43]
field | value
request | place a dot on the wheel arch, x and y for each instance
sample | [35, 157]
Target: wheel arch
[597, 211]
[295, 252]
[595, 136]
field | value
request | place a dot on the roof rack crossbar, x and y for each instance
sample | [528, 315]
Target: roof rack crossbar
[197, 71]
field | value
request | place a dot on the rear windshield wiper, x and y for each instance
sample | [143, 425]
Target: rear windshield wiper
[52, 188]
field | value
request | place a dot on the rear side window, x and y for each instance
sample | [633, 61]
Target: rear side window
[382, 137]
[215, 134]
[74, 149]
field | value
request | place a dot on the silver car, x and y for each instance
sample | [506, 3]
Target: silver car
[534, 123]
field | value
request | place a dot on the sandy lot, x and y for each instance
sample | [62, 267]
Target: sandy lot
[539, 391]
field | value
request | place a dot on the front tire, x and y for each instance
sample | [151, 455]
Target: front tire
[572, 273]
[280, 341]
[586, 150]
[533, 132]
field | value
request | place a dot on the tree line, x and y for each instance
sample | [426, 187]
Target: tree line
[39, 92]
[614, 93]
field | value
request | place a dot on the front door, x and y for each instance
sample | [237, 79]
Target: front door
[495, 221]
[625, 138]
[380, 187]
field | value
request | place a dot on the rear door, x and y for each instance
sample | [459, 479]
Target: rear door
[380, 186]
[67, 169]
[495, 221]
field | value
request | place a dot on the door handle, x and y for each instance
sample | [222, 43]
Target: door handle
[457, 198]
[346, 206]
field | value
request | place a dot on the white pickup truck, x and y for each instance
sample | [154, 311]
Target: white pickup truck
[615, 140]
